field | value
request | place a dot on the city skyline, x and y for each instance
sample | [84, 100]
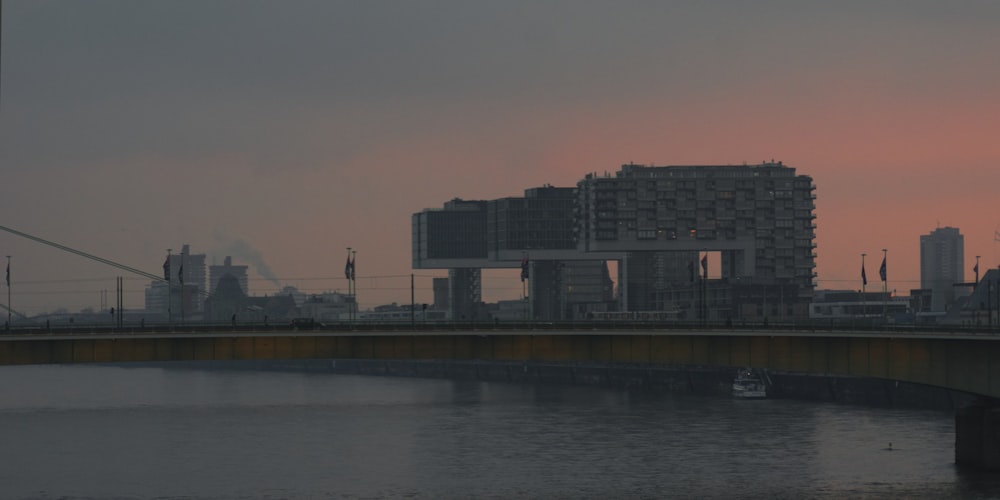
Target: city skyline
[293, 130]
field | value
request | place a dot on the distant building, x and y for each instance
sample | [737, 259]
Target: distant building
[920, 304]
[540, 220]
[401, 313]
[983, 305]
[465, 293]
[183, 295]
[327, 307]
[156, 300]
[215, 274]
[535, 231]
[942, 265]
[228, 303]
[454, 238]
[440, 294]
[657, 223]
[294, 293]
[193, 268]
[570, 289]
[509, 310]
[843, 306]
[758, 218]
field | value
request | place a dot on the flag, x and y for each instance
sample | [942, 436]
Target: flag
[353, 267]
[996, 235]
[704, 265]
[864, 277]
[524, 268]
[180, 274]
[881, 270]
[974, 269]
[347, 267]
[166, 269]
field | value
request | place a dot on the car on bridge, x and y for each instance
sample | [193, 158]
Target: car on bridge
[305, 324]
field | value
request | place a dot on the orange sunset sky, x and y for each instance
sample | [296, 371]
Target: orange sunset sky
[283, 132]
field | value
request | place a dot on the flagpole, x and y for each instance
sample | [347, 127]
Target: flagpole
[347, 275]
[976, 285]
[697, 285]
[354, 281]
[883, 271]
[864, 281]
[180, 280]
[524, 286]
[704, 289]
[8, 292]
[170, 289]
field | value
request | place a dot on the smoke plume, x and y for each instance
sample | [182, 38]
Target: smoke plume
[239, 249]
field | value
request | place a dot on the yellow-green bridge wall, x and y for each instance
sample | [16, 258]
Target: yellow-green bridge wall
[963, 364]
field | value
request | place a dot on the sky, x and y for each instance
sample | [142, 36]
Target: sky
[282, 133]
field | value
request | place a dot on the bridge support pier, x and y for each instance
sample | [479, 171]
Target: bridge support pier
[977, 435]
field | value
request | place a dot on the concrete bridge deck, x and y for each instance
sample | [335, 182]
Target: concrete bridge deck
[960, 360]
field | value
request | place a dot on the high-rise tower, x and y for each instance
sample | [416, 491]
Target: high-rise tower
[942, 265]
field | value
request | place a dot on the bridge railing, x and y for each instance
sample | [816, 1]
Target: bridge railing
[818, 327]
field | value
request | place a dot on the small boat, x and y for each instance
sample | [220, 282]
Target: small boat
[749, 385]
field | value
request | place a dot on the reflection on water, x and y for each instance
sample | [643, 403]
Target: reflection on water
[99, 432]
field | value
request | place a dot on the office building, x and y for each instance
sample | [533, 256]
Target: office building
[536, 231]
[759, 219]
[454, 238]
[540, 220]
[659, 224]
[182, 296]
[942, 265]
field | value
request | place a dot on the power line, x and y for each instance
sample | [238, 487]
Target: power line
[71, 280]
[84, 254]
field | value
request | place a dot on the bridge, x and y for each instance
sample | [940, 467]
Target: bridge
[957, 360]
[962, 360]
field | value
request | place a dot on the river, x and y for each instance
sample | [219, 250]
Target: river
[96, 432]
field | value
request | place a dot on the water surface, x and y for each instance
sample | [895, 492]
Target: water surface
[86, 431]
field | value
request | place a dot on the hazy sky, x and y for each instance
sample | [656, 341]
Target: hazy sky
[291, 130]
